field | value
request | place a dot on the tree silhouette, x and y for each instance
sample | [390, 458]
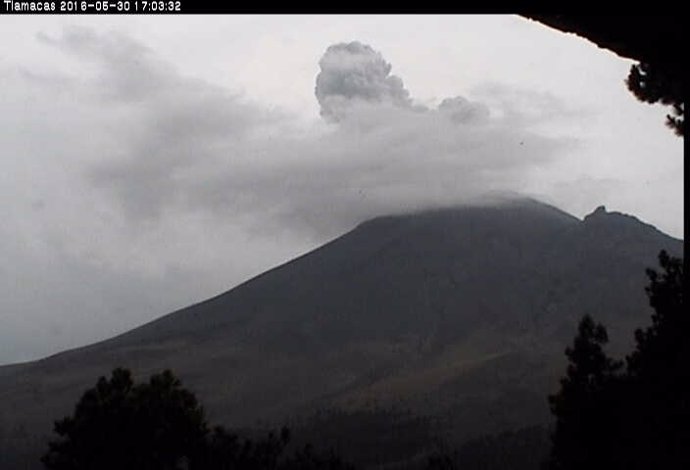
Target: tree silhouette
[636, 419]
[654, 42]
[656, 357]
[651, 84]
[657, 382]
[116, 425]
[227, 451]
[582, 402]
[159, 425]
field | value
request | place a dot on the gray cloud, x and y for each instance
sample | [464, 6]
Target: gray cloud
[185, 146]
[461, 110]
[145, 184]
[165, 125]
[193, 147]
[356, 72]
[139, 74]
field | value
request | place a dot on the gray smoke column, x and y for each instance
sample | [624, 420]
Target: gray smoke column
[354, 72]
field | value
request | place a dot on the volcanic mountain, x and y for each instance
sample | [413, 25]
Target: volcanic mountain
[461, 312]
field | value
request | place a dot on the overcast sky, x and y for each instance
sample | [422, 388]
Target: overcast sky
[151, 162]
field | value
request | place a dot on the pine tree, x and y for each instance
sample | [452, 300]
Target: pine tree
[160, 425]
[637, 419]
[116, 424]
[657, 391]
[651, 84]
[582, 406]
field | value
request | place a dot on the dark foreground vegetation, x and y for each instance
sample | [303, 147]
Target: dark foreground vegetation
[159, 425]
[630, 414]
[612, 414]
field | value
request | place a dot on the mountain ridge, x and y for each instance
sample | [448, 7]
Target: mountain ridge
[463, 311]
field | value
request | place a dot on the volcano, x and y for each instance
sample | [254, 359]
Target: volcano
[461, 312]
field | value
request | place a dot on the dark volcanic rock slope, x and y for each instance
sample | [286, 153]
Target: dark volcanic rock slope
[463, 312]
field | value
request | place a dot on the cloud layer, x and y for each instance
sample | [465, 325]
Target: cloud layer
[193, 147]
[126, 179]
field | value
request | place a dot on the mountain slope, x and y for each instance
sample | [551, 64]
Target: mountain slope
[460, 312]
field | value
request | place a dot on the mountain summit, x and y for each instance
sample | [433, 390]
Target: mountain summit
[460, 312]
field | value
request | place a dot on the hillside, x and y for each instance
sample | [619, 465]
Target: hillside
[462, 313]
